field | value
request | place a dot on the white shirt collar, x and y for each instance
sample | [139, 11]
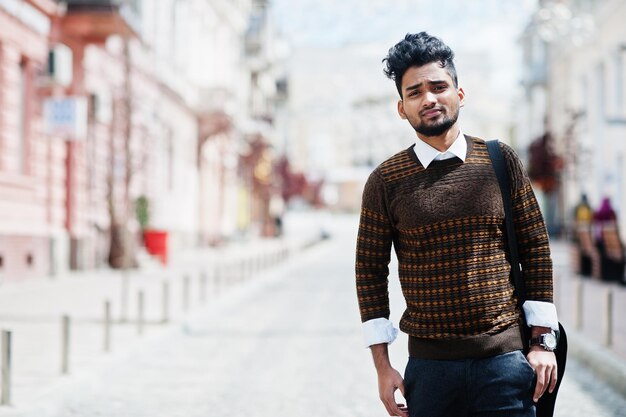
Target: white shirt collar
[427, 154]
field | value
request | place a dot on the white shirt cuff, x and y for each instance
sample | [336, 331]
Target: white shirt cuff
[377, 331]
[541, 314]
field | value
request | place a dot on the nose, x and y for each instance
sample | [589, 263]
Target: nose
[429, 99]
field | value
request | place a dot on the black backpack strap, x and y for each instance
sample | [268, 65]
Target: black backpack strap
[499, 166]
[545, 406]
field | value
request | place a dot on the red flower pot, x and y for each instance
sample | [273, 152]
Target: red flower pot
[156, 243]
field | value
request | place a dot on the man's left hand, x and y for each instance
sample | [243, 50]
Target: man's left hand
[544, 364]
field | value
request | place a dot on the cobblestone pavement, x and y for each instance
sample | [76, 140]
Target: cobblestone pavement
[286, 343]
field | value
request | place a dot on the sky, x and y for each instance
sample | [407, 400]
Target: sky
[486, 28]
[483, 33]
[332, 22]
[337, 46]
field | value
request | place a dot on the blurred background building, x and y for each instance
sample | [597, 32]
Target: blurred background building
[343, 117]
[129, 123]
[128, 119]
[573, 116]
[32, 163]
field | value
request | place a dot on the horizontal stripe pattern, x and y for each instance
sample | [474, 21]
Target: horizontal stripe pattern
[446, 224]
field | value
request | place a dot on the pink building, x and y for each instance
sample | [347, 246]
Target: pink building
[93, 116]
[96, 154]
[140, 137]
[32, 183]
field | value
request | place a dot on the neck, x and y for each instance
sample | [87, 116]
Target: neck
[442, 142]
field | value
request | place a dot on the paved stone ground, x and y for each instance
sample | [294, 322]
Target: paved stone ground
[286, 343]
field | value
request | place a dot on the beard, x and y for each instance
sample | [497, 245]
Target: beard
[437, 128]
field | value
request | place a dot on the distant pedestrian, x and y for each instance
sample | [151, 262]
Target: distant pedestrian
[605, 214]
[438, 203]
[582, 212]
[582, 236]
[608, 242]
[277, 210]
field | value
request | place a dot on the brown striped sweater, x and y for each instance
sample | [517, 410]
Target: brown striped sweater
[446, 224]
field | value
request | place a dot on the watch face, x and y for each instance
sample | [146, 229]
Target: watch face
[549, 340]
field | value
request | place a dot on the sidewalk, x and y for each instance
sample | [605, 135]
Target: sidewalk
[260, 349]
[268, 348]
[596, 327]
[33, 310]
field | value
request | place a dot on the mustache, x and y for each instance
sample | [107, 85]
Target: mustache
[423, 112]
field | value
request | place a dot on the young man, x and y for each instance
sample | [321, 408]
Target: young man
[439, 204]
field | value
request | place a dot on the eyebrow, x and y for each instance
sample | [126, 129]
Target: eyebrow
[418, 85]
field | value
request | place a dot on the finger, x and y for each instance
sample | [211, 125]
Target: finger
[554, 378]
[541, 383]
[389, 401]
[397, 411]
[386, 404]
[404, 410]
[394, 410]
[389, 410]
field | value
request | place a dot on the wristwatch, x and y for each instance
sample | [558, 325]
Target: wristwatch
[547, 340]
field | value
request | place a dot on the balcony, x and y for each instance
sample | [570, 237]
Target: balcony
[96, 20]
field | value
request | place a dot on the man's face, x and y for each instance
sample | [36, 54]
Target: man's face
[430, 102]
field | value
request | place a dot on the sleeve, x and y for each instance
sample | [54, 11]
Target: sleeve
[532, 237]
[376, 331]
[541, 314]
[373, 251]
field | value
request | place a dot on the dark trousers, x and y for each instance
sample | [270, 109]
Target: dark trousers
[499, 386]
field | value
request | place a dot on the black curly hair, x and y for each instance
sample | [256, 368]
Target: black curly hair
[417, 49]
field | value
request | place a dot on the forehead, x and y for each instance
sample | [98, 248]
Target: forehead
[425, 73]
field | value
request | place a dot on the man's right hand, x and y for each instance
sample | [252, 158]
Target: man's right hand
[389, 380]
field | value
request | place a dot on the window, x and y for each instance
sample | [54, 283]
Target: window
[22, 117]
[2, 121]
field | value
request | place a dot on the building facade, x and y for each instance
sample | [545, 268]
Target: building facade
[106, 103]
[574, 79]
[32, 174]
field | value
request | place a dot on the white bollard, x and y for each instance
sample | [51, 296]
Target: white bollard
[203, 283]
[124, 297]
[65, 345]
[579, 304]
[165, 306]
[140, 312]
[217, 279]
[5, 362]
[107, 326]
[608, 335]
[186, 286]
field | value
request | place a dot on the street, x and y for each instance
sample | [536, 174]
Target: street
[284, 343]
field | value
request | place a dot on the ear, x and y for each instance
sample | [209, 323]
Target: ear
[401, 110]
[461, 94]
